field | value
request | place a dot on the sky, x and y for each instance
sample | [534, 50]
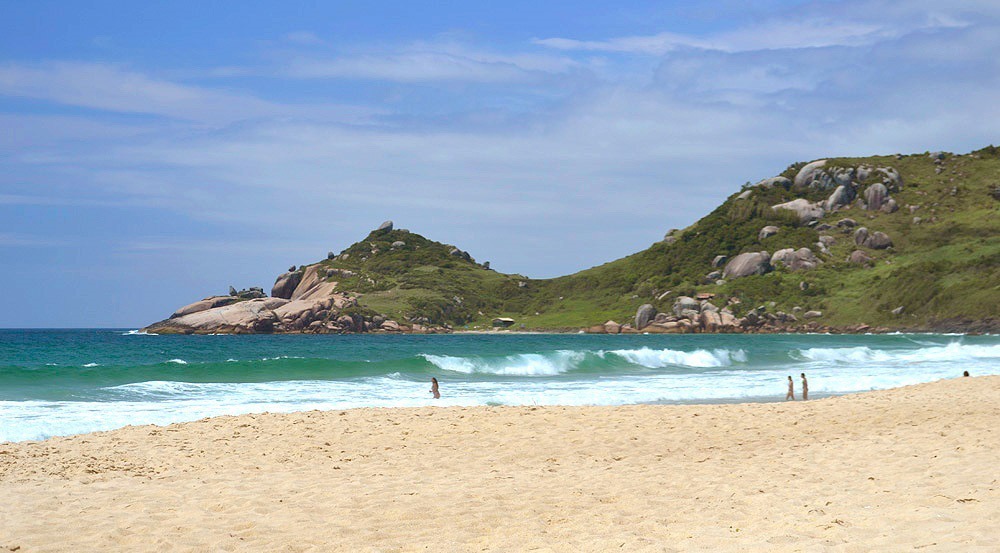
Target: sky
[154, 153]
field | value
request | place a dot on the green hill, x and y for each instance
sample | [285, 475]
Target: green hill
[943, 268]
[928, 258]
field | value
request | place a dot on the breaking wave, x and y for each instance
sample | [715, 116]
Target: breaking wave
[952, 353]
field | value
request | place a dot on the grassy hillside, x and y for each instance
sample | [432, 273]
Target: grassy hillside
[941, 270]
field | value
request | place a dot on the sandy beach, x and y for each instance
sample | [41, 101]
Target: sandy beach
[912, 468]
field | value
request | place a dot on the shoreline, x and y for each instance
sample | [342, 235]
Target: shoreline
[886, 470]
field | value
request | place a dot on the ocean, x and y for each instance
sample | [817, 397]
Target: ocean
[62, 382]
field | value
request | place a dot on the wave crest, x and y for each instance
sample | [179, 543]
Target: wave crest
[524, 364]
[952, 352]
[701, 358]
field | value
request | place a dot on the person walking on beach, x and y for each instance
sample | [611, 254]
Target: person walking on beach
[434, 388]
[805, 388]
[791, 389]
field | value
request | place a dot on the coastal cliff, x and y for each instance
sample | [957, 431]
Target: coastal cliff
[840, 244]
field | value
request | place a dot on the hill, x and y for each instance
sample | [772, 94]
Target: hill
[897, 242]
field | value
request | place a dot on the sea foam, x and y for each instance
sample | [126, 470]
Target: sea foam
[953, 352]
[661, 358]
[524, 364]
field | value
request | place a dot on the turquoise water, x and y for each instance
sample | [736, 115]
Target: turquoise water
[59, 382]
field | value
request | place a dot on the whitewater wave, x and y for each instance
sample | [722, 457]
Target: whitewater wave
[177, 361]
[660, 358]
[564, 361]
[89, 365]
[139, 333]
[524, 364]
[953, 352]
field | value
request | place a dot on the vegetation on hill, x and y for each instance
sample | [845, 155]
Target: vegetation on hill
[942, 270]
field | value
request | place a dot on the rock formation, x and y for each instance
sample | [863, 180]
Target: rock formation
[795, 260]
[644, 315]
[746, 264]
[767, 232]
[806, 210]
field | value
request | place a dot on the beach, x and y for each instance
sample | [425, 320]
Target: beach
[911, 468]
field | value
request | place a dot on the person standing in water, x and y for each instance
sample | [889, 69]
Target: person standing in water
[437, 394]
[805, 387]
[791, 390]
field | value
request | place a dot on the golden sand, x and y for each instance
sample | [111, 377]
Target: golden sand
[914, 468]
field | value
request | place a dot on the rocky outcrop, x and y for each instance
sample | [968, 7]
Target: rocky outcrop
[251, 293]
[285, 285]
[685, 303]
[806, 210]
[767, 232]
[859, 257]
[875, 196]
[890, 178]
[813, 176]
[384, 227]
[774, 182]
[878, 241]
[719, 261]
[249, 316]
[746, 264]
[455, 252]
[843, 195]
[802, 259]
[204, 305]
[875, 240]
[644, 315]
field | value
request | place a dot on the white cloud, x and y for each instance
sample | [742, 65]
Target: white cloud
[427, 62]
[597, 173]
[112, 88]
[789, 31]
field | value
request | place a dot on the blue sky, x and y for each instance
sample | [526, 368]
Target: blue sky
[155, 153]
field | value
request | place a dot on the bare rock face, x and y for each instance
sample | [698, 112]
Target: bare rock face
[711, 321]
[875, 196]
[719, 261]
[248, 316]
[806, 210]
[879, 241]
[385, 227]
[685, 303]
[890, 206]
[890, 178]
[802, 259]
[859, 257]
[767, 232]
[843, 195]
[285, 285]
[612, 327]
[774, 182]
[204, 305]
[644, 315]
[812, 172]
[876, 240]
[746, 264]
